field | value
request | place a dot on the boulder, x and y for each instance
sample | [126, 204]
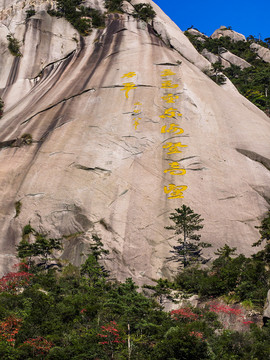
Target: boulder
[214, 58]
[266, 312]
[223, 31]
[262, 52]
[234, 59]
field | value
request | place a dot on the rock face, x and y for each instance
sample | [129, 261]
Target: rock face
[111, 152]
[227, 59]
[200, 36]
[266, 312]
[262, 52]
[234, 59]
[223, 31]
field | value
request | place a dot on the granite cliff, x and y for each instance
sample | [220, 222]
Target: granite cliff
[123, 126]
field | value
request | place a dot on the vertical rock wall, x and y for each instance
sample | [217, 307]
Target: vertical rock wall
[125, 129]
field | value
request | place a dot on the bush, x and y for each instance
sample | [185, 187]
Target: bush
[253, 82]
[114, 5]
[80, 17]
[144, 12]
[29, 13]
[27, 139]
[14, 46]
[18, 206]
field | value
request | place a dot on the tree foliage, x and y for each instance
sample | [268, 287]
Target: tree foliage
[114, 5]
[81, 18]
[144, 12]
[14, 46]
[187, 224]
[235, 276]
[39, 249]
[253, 82]
[70, 314]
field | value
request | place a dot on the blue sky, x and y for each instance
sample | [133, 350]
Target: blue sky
[247, 17]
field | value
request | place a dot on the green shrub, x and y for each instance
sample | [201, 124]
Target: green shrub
[27, 139]
[30, 12]
[14, 46]
[18, 206]
[144, 12]
[114, 5]
[253, 82]
[80, 17]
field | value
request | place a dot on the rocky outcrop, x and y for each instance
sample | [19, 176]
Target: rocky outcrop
[109, 142]
[223, 31]
[234, 59]
[214, 58]
[266, 312]
[200, 36]
[262, 52]
[226, 58]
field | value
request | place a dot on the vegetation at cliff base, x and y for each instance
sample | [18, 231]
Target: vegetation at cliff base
[235, 277]
[54, 310]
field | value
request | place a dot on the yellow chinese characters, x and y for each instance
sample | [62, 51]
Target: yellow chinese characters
[135, 113]
[175, 169]
[169, 113]
[128, 75]
[173, 148]
[168, 85]
[170, 98]
[175, 192]
[173, 128]
[127, 87]
[136, 123]
[167, 72]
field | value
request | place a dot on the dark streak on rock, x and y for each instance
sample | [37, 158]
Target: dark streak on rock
[8, 143]
[59, 102]
[103, 49]
[228, 197]
[168, 64]
[255, 157]
[196, 169]
[124, 29]
[14, 71]
[82, 167]
[53, 63]
[121, 86]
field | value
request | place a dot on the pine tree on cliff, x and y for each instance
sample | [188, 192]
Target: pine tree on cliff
[187, 224]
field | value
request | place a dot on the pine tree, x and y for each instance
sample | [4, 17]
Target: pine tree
[187, 224]
[41, 248]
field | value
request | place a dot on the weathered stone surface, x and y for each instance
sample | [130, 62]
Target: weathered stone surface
[197, 33]
[234, 59]
[235, 36]
[266, 312]
[214, 58]
[262, 52]
[88, 168]
[200, 36]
